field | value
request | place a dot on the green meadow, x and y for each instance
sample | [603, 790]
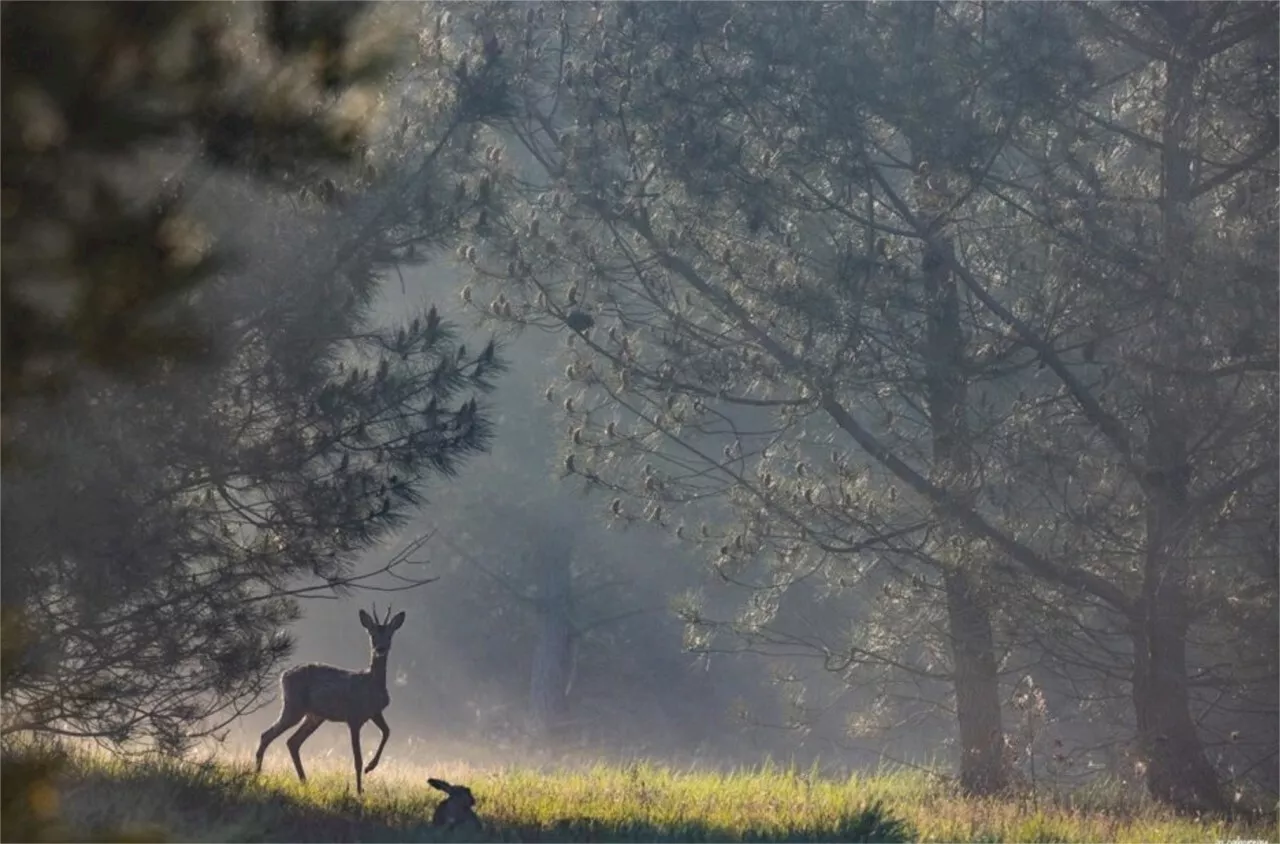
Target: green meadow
[99, 797]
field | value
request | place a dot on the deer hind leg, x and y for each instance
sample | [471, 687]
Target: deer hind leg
[288, 717]
[309, 726]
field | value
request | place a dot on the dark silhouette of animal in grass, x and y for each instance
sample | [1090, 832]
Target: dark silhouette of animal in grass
[457, 808]
[317, 693]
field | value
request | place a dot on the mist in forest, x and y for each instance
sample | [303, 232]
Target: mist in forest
[841, 384]
[462, 668]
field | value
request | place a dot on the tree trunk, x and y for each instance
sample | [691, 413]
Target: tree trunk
[975, 678]
[977, 687]
[553, 650]
[1178, 771]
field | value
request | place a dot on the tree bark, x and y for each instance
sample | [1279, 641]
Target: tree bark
[977, 688]
[1177, 770]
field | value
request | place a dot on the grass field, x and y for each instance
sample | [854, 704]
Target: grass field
[226, 802]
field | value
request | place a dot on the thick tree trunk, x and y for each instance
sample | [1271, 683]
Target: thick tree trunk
[1177, 770]
[977, 687]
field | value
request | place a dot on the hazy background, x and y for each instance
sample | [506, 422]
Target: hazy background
[459, 671]
[847, 470]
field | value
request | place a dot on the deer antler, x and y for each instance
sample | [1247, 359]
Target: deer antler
[381, 622]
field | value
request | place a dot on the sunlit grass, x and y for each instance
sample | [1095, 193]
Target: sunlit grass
[638, 802]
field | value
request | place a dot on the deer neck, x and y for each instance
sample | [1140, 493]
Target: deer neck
[378, 670]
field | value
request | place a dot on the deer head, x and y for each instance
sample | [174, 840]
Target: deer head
[380, 632]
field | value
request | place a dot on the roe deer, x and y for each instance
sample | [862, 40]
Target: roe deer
[317, 693]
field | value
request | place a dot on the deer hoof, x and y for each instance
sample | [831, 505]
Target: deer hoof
[369, 768]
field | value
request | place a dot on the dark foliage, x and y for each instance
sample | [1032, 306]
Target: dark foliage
[157, 528]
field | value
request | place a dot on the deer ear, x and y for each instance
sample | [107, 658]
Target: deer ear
[397, 621]
[366, 620]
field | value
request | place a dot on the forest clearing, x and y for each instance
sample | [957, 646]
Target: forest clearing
[220, 801]
[611, 397]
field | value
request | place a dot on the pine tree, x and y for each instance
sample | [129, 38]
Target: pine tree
[158, 528]
[768, 231]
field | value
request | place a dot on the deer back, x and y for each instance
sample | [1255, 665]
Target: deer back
[336, 694]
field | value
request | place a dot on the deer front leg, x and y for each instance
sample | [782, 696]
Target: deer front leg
[355, 751]
[309, 726]
[381, 724]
